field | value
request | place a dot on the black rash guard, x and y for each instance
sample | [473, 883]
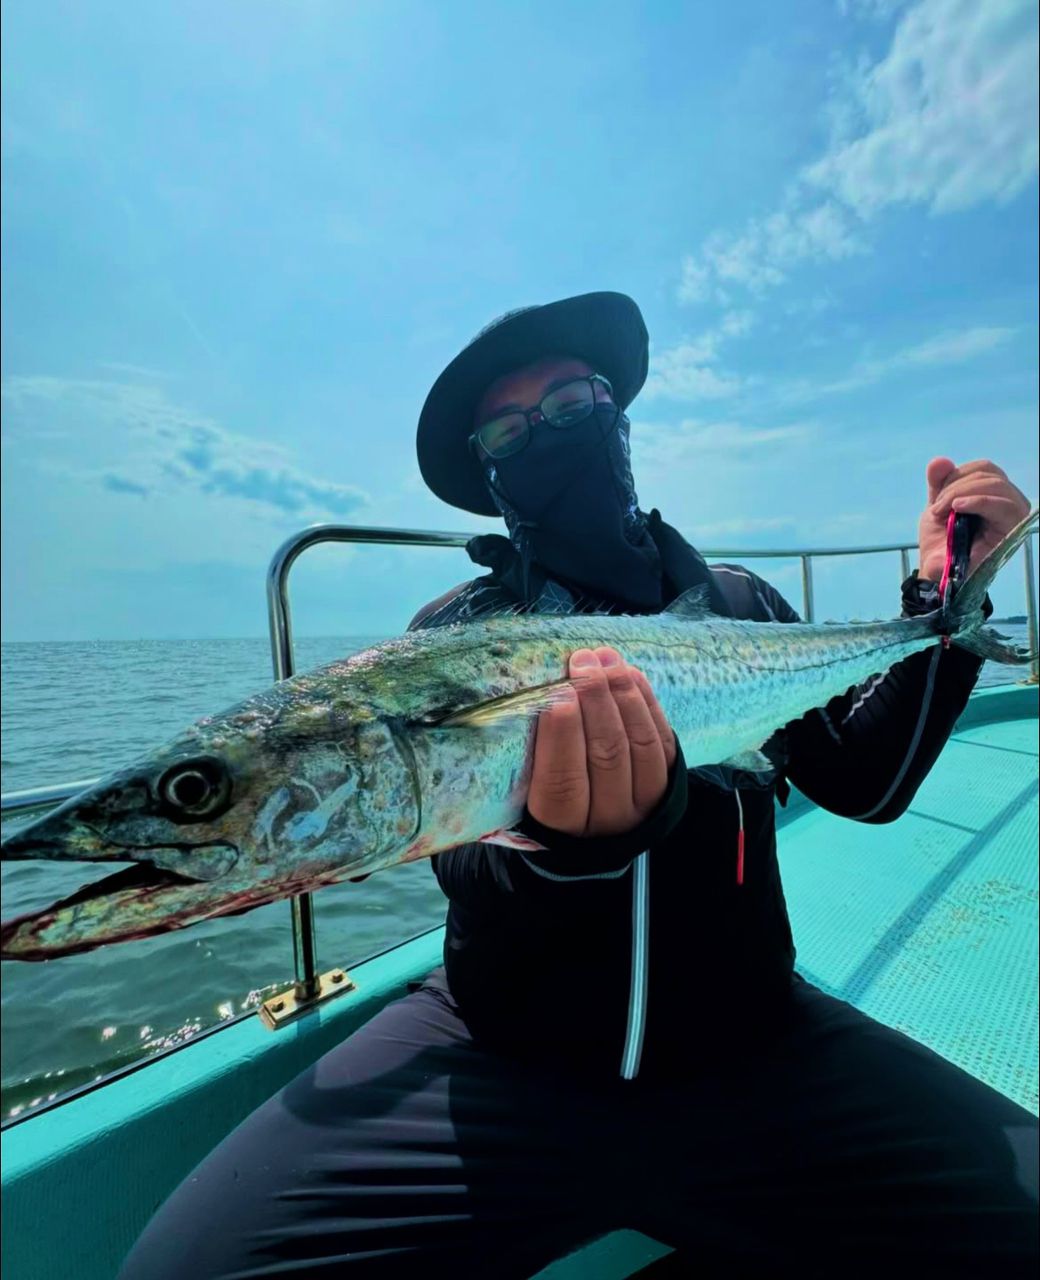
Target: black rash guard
[642, 956]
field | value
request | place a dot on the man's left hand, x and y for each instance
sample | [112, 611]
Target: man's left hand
[974, 488]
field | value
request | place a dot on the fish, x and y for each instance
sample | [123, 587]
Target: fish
[423, 743]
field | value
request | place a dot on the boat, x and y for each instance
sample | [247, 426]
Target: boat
[928, 924]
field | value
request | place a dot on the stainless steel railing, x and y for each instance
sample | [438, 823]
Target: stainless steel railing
[280, 621]
[279, 617]
[42, 797]
[279, 613]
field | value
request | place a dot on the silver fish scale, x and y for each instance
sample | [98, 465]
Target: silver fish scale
[724, 685]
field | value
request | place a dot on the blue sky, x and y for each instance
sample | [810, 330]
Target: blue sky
[241, 240]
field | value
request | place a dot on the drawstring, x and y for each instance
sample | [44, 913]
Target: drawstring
[526, 554]
[944, 584]
[740, 837]
[945, 580]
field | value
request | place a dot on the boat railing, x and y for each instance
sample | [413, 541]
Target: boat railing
[307, 979]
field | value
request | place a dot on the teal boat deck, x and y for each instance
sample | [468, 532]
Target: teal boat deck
[928, 924]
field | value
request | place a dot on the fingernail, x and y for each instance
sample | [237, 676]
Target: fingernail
[608, 658]
[583, 658]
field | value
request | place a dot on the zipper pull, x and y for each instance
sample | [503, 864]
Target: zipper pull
[740, 837]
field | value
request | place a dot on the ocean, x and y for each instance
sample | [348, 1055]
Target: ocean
[75, 710]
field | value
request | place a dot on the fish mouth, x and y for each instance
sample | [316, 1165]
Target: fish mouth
[22, 937]
[134, 902]
[141, 876]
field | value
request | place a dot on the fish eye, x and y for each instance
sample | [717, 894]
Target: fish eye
[195, 789]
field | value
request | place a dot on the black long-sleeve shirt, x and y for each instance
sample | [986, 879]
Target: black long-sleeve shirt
[643, 955]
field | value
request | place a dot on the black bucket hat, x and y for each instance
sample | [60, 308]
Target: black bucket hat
[604, 329]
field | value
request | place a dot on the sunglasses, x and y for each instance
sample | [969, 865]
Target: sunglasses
[561, 407]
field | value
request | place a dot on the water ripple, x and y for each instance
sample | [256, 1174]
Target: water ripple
[74, 710]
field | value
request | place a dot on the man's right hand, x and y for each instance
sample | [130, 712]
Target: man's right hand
[603, 752]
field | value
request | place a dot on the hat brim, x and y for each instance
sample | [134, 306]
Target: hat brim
[604, 329]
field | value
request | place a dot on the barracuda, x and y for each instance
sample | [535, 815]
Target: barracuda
[424, 743]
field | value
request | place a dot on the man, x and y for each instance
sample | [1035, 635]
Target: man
[618, 1038]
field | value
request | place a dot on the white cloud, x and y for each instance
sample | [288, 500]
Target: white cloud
[681, 374]
[724, 481]
[741, 525]
[734, 324]
[761, 256]
[813, 305]
[164, 447]
[137, 371]
[880, 10]
[691, 443]
[687, 371]
[952, 347]
[696, 281]
[945, 119]
[706, 437]
[948, 115]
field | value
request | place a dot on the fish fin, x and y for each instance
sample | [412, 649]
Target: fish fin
[513, 840]
[553, 608]
[988, 643]
[966, 607]
[692, 604]
[528, 702]
[753, 761]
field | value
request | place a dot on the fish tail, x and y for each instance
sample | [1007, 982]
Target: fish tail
[988, 643]
[963, 622]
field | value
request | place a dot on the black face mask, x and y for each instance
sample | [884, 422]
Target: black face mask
[570, 505]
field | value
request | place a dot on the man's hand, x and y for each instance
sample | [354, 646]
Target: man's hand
[975, 488]
[602, 754]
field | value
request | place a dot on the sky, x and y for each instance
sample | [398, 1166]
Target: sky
[241, 240]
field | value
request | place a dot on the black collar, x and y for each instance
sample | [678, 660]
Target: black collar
[682, 565]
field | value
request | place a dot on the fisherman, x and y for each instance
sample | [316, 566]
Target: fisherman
[618, 1038]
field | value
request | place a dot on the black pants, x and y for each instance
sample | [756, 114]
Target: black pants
[845, 1148]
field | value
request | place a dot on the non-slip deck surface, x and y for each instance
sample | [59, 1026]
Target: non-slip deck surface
[930, 925]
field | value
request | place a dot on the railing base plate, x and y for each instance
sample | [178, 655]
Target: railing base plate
[282, 1008]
